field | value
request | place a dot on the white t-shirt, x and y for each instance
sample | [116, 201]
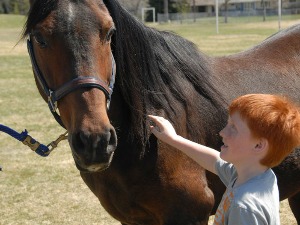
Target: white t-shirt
[255, 202]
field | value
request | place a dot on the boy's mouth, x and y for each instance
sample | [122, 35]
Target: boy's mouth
[224, 146]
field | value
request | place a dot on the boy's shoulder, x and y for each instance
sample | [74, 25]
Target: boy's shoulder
[264, 182]
[260, 196]
[259, 191]
[227, 173]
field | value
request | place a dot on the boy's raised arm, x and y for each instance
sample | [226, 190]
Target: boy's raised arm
[204, 156]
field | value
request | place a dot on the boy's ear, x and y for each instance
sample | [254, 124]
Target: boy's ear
[262, 145]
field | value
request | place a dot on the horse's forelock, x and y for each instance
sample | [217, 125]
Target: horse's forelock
[39, 10]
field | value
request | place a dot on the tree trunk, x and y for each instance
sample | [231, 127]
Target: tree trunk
[166, 10]
[264, 10]
[226, 11]
[137, 6]
[5, 6]
[194, 10]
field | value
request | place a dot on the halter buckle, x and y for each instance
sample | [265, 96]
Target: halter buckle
[52, 102]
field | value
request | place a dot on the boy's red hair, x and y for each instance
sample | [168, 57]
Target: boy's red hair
[272, 117]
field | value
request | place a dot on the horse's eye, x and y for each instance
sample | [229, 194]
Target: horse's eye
[110, 33]
[40, 40]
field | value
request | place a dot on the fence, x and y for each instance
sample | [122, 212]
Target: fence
[200, 16]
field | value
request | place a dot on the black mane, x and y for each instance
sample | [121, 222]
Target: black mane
[161, 68]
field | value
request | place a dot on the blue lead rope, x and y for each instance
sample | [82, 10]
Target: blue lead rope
[34, 145]
[26, 139]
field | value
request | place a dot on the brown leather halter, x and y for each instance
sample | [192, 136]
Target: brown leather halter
[72, 85]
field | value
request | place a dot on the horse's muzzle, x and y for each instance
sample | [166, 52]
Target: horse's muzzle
[93, 152]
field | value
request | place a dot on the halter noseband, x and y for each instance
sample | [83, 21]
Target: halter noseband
[72, 85]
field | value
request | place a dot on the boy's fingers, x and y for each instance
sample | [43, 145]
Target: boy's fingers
[154, 132]
[154, 129]
[156, 119]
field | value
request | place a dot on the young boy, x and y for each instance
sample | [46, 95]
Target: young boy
[261, 131]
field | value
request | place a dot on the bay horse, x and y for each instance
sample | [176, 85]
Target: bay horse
[138, 180]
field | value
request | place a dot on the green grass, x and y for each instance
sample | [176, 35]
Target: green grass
[36, 190]
[11, 21]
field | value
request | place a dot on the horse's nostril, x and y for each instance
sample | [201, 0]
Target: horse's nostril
[83, 137]
[80, 141]
[113, 137]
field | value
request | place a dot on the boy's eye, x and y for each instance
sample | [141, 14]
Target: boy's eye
[231, 126]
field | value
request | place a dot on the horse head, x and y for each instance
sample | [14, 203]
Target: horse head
[69, 44]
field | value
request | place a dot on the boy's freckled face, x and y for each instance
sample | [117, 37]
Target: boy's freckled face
[237, 139]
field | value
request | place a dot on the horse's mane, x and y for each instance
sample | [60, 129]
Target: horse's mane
[157, 71]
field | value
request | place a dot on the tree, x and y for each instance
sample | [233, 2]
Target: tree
[14, 6]
[4, 6]
[166, 10]
[173, 6]
[263, 2]
[132, 5]
[226, 11]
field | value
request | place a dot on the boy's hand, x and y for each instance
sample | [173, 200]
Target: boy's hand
[204, 156]
[162, 128]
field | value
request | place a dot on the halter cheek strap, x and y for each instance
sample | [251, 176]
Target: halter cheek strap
[79, 82]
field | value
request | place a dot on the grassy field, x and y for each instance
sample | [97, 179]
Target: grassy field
[36, 190]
